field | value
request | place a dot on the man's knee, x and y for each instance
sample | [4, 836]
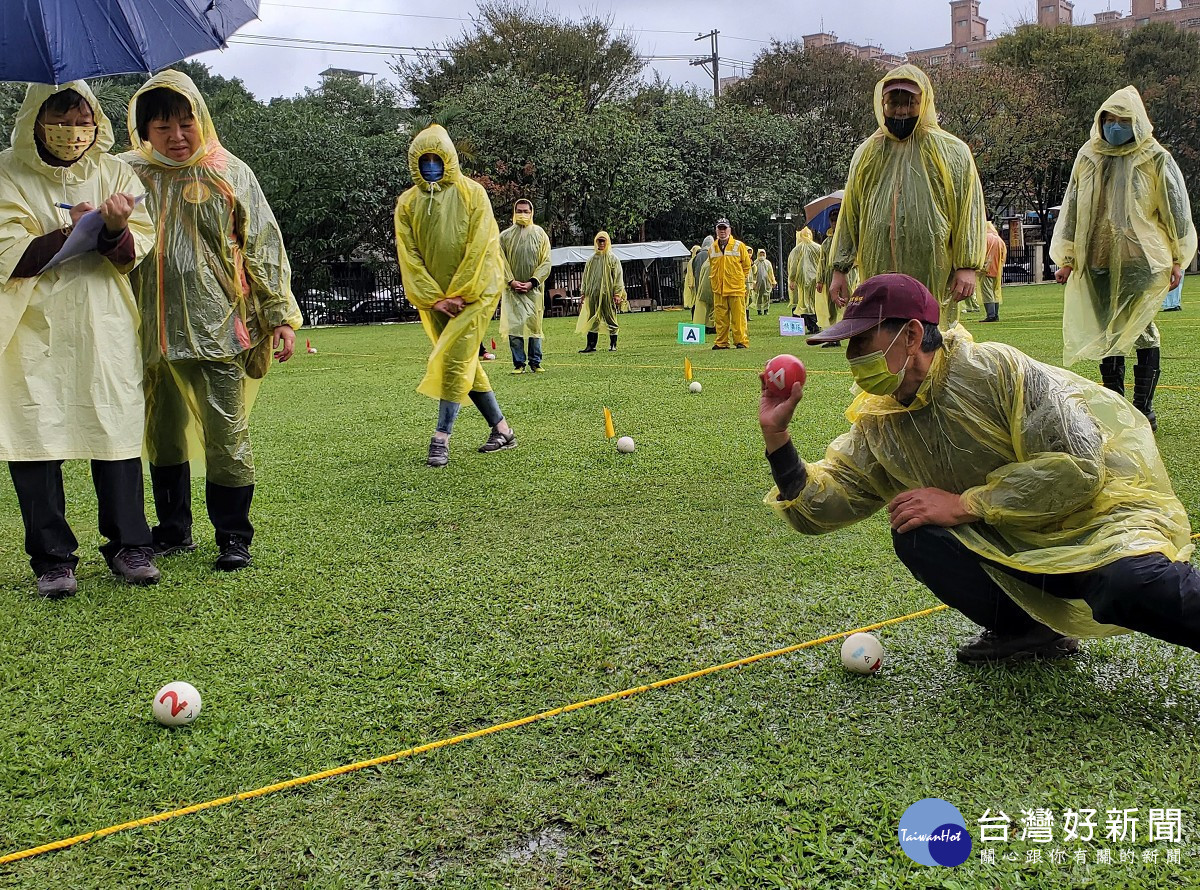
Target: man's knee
[920, 545]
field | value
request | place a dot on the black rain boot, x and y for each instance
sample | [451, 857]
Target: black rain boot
[591, 343]
[172, 488]
[1112, 374]
[229, 510]
[612, 342]
[1145, 380]
[810, 322]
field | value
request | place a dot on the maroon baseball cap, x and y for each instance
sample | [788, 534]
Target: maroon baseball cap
[885, 296]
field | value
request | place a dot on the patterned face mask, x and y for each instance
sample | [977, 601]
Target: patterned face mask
[68, 143]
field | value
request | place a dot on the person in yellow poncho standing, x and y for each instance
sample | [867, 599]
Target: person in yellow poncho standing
[215, 301]
[70, 365]
[913, 201]
[762, 281]
[525, 248]
[1029, 499]
[728, 267]
[804, 268]
[449, 250]
[702, 312]
[991, 281]
[603, 288]
[689, 280]
[827, 308]
[1123, 235]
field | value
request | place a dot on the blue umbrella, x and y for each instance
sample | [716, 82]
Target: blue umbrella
[55, 41]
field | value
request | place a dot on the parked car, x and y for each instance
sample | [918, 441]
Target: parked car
[375, 309]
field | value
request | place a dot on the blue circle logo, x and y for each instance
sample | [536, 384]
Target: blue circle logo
[933, 832]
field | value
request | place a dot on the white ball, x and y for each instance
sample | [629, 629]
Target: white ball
[176, 704]
[312, 350]
[695, 386]
[862, 653]
[625, 445]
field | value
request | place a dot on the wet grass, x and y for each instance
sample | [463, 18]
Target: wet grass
[391, 605]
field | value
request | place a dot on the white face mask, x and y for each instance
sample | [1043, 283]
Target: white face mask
[171, 162]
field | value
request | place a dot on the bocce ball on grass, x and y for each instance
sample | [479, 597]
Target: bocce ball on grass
[862, 653]
[176, 704]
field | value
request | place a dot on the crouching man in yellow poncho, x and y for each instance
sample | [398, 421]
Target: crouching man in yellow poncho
[70, 367]
[216, 299]
[1033, 501]
[449, 250]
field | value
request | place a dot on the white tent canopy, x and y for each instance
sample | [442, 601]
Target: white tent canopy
[647, 251]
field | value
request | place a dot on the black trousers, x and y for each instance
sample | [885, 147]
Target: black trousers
[1149, 594]
[49, 540]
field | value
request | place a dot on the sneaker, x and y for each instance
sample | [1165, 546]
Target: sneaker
[1040, 641]
[836, 344]
[57, 583]
[235, 554]
[497, 441]
[439, 452]
[536, 369]
[520, 369]
[135, 565]
[170, 548]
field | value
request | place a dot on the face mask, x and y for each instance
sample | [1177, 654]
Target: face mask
[871, 371]
[68, 143]
[432, 169]
[901, 128]
[523, 219]
[1117, 133]
[171, 162]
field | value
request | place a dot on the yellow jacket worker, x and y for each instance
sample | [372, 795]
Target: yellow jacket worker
[1031, 500]
[913, 201]
[70, 365]
[449, 250]
[729, 264]
[215, 301]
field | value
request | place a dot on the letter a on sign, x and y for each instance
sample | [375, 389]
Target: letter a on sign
[690, 334]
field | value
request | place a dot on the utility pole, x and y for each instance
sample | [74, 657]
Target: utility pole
[714, 60]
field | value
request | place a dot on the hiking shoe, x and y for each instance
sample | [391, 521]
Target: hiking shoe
[135, 565]
[497, 441]
[439, 452]
[1040, 641]
[57, 583]
[235, 554]
[170, 548]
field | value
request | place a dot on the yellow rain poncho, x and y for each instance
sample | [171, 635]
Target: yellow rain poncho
[913, 205]
[526, 254]
[1125, 220]
[449, 246]
[217, 288]
[603, 287]
[703, 311]
[762, 281]
[1065, 474]
[991, 280]
[804, 266]
[689, 279]
[826, 309]
[70, 361]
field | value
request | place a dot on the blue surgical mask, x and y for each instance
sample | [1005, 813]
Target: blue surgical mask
[432, 169]
[1116, 133]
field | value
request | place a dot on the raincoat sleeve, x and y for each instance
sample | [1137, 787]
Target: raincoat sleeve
[18, 230]
[968, 237]
[544, 265]
[771, 279]
[1059, 447]
[1062, 242]
[746, 261]
[480, 267]
[420, 288]
[840, 490]
[618, 280]
[844, 253]
[266, 259]
[1175, 211]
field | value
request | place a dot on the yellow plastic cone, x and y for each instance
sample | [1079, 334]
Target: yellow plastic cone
[609, 431]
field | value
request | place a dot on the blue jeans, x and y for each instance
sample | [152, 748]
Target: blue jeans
[517, 345]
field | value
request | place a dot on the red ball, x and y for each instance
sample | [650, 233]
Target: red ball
[782, 372]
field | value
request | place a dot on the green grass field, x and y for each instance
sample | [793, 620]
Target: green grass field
[391, 605]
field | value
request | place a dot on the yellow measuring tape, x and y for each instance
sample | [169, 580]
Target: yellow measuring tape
[444, 743]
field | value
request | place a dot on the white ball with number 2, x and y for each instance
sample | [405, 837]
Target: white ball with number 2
[176, 704]
[862, 653]
[625, 445]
